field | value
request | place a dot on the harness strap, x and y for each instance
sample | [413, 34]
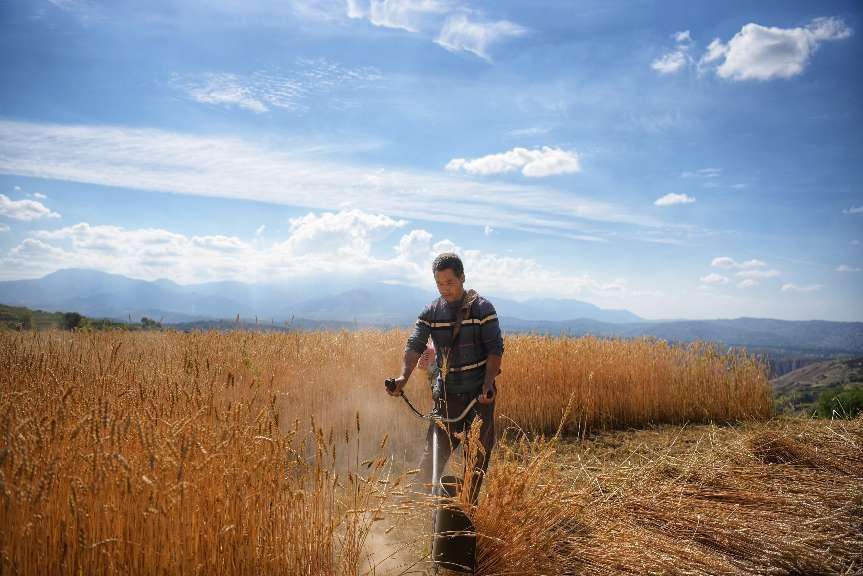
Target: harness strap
[468, 299]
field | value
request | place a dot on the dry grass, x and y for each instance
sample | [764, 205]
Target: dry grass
[783, 497]
[240, 453]
[779, 497]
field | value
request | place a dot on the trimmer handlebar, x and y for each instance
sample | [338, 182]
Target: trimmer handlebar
[390, 384]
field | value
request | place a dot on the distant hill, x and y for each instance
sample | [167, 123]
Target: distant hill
[21, 318]
[756, 334]
[342, 303]
[799, 391]
[111, 295]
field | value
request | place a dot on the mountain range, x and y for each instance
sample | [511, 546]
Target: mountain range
[100, 294]
[343, 303]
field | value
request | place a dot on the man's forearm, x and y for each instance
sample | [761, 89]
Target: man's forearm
[409, 363]
[492, 367]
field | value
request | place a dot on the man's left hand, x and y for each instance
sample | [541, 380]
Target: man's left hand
[489, 393]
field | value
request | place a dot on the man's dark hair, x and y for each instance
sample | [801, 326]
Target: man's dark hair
[448, 260]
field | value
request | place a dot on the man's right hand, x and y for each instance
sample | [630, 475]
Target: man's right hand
[400, 383]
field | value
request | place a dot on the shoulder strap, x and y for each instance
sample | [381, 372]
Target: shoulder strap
[468, 299]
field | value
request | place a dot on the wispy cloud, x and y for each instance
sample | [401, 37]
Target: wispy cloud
[796, 288]
[758, 273]
[847, 268]
[451, 25]
[703, 173]
[536, 163]
[531, 131]
[764, 53]
[671, 199]
[460, 33]
[24, 209]
[748, 283]
[223, 89]
[404, 14]
[853, 210]
[232, 168]
[4, 227]
[309, 83]
[86, 10]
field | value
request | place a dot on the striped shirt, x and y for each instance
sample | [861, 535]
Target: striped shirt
[480, 336]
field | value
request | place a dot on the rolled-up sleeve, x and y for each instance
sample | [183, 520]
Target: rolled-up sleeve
[422, 330]
[492, 339]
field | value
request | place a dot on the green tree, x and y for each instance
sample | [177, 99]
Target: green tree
[72, 320]
[845, 404]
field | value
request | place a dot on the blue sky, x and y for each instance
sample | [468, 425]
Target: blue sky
[679, 159]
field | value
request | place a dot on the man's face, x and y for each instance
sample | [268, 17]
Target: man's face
[449, 285]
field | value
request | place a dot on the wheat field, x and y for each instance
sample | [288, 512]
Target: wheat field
[242, 453]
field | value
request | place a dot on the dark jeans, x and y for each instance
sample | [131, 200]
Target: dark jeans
[447, 441]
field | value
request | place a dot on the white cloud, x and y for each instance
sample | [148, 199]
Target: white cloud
[748, 283]
[703, 173]
[673, 61]
[356, 9]
[671, 199]
[232, 168]
[488, 230]
[670, 63]
[346, 233]
[318, 245]
[455, 28]
[847, 268]
[260, 230]
[723, 262]
[4, 227]
[683, 36]
[726, 262]
[459, 33]
[853, 210]
[796, 288]
[758, 273]
[764, 53]
[536, 163]
[309, 83]
[714, 279]
[415, 246]
[24, 209]
[404, 14]
[39, 196]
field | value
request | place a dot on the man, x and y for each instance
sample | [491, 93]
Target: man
[468, 367]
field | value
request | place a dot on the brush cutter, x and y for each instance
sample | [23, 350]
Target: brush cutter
[453, 534]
